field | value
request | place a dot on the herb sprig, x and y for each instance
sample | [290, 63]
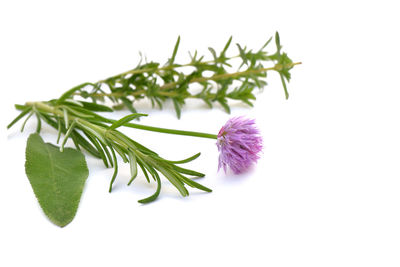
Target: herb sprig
[100, 137]
[160, 83]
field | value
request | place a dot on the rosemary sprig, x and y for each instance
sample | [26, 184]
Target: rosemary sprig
[169, 82]
[99, 136]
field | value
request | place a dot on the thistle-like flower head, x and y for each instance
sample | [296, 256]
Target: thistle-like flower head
[239, 144]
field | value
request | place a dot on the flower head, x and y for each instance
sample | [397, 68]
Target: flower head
[239, 143]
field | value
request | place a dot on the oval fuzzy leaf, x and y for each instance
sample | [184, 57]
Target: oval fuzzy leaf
[57, 178]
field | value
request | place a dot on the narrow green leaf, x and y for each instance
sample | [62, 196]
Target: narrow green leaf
[73, 102]
[133, 166]
[208, 102]
[224, 104]
[177, 108]
[39, 123]
[25, 121]
[155, 195]
[68, 133]
[95, 107]
[194, 184]
[246, 101]
[105, 149]
[125, 119]
[284, 85]
[184, 160]
[214, 54]
[278, 42]
[66, 119]
[121, 151]
[242, 53]
[76, 112]
[128, 104]
[226, 46]
[115, 168]
[21, 115]
[97, 148]
[59, 130]
[20, 107]
[172, 177]
[187, 171]
[141, 164]
[74, 139]
[85, 144]
[57, 178]
[265, 45]
[93, 132]
[171, 61]
[68, 93]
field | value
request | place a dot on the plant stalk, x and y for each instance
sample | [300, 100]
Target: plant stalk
[277, 67]
[50, 109]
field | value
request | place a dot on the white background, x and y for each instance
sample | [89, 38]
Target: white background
[326, 190]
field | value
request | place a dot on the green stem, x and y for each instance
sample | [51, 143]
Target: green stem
[169, 67]
[50, 109]
[170, 131]
[216, 77]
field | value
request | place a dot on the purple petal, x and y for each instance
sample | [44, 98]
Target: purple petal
[239, 143]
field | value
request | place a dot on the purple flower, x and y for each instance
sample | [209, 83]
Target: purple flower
[239, 143]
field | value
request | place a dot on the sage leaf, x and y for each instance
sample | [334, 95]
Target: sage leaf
[57, 178]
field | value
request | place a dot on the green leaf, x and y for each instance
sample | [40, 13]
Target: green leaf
[141, 164]
[185, 160]
[265, 45]
[20, 116]
[133, 166]
[208, 102]
[194, 184]
[115, 163]
[155, 195]
[20, 107]
[226, 47]
[172, 59]
[284, 85]
[95, 107]
[70, 92]
[128, 104]
[177, 107]
[187, 171]
[224, 104]
[214, 54]
[172, 177]
[57, 178]
[278, 42]
[242, 52]
[125, 120]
